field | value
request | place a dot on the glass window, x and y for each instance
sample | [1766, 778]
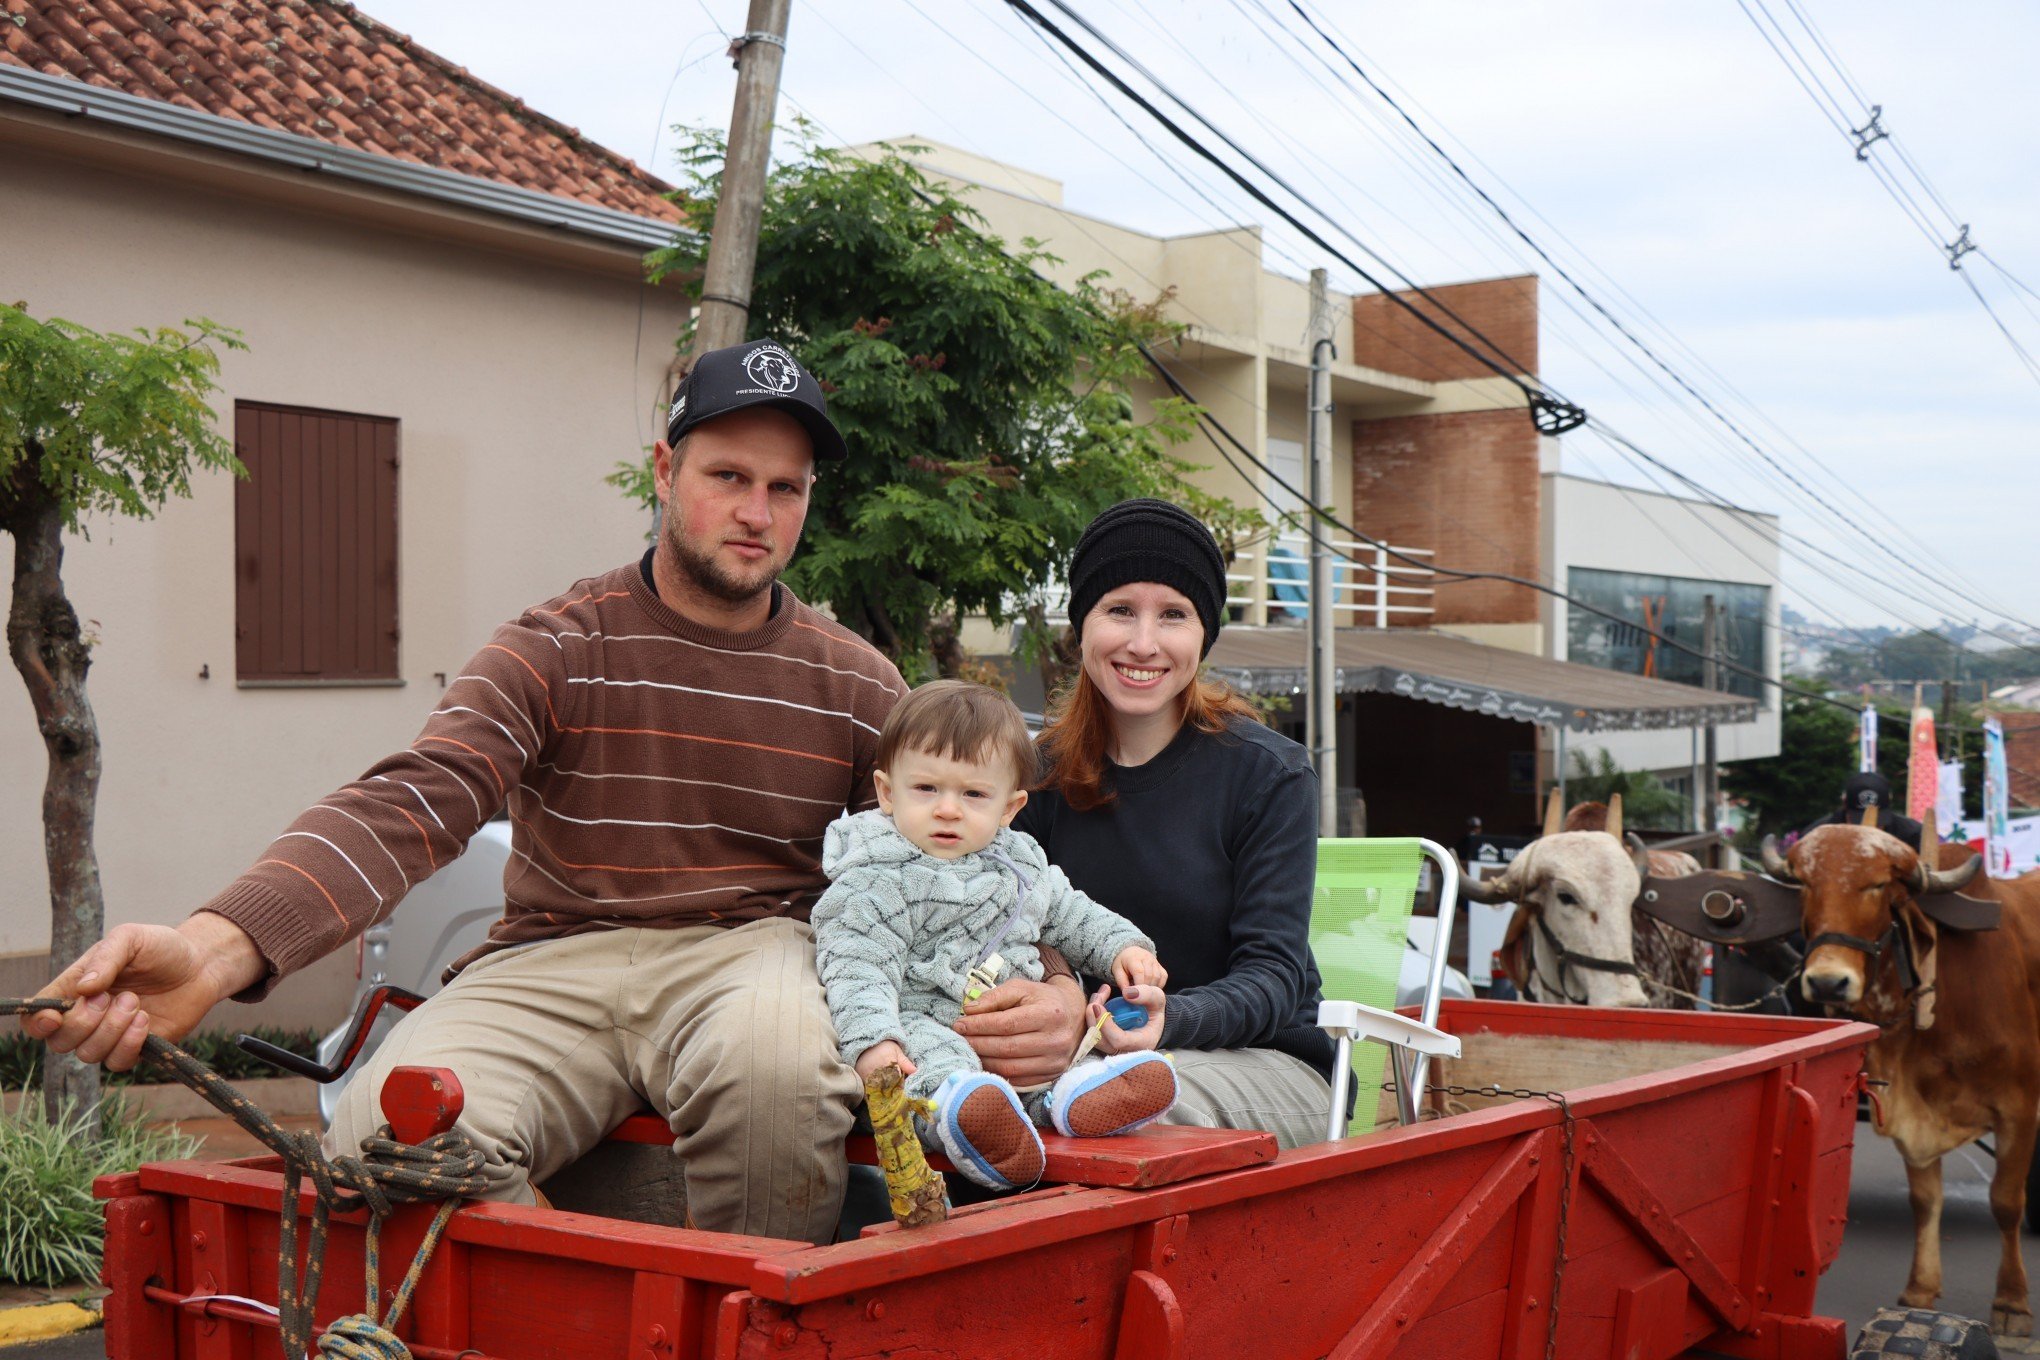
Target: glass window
[1674, 607]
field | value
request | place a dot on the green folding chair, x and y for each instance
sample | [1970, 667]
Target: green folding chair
[1359, 928]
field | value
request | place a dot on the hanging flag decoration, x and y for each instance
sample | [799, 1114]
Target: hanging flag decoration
[1948, 807]
[1997, 803]
[1866, 740]
[1923, 768]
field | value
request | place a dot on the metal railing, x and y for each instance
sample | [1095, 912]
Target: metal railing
[1272, 583]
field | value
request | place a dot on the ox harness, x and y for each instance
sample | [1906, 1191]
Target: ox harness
[1568, 958]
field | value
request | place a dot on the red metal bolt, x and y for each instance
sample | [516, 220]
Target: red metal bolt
[148, 1228]
[655, 1339]
[875, 1309]
[198, 1241]
[786, 1336]
[1168, 1255]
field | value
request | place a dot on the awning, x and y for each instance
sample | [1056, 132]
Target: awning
[1438, 668]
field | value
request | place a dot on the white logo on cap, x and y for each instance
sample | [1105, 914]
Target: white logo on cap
[679, 406]
[773, 368]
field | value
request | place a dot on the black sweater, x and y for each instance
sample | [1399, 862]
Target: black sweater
[1211, 849]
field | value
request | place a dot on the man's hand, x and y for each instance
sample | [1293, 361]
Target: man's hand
[1113, 1039]
[144, 978]
[1025, 1031]
[1136, 967]
[879, 1055]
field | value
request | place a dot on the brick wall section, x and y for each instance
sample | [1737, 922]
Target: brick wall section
[1387, 337]
[2022, 754]
[1464, 485]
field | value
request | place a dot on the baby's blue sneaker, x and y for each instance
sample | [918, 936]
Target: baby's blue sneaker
[981, 1127]
[1116, 1094]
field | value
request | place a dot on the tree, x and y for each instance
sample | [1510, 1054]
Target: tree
[1816, 756]
[90, 424]
[1646, 803]
[990, 412]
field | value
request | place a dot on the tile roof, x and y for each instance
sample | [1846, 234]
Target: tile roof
[321, 69]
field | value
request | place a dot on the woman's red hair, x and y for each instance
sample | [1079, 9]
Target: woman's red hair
[1079, 733]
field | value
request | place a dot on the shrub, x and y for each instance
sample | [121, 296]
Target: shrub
[52, 1229]
[21, 1056]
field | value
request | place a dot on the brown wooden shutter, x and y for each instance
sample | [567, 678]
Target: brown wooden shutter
[315, 545]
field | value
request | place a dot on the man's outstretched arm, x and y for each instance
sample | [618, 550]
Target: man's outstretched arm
[143, 978]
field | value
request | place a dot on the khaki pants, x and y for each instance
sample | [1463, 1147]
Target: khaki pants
[723, 1032]
[1251, 1088]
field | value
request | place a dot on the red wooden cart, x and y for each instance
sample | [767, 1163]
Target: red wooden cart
[1693, 1183]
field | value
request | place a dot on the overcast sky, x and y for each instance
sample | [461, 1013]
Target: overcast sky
[1661, 146]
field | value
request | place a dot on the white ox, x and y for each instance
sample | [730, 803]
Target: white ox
[1575, 937]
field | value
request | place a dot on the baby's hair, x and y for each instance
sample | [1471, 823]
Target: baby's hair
[960, 720]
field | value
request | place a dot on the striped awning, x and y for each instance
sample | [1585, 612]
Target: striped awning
[1438, 668]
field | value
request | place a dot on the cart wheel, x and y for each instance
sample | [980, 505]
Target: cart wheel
[1924, 1333]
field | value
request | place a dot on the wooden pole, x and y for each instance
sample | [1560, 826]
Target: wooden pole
[733, 240]
[1323, 728]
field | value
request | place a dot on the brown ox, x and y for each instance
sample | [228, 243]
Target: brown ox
[1961, 1041]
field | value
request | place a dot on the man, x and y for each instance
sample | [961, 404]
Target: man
[671, 738]
[1862, 792]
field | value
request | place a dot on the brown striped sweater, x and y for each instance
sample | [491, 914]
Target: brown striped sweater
[657, 773]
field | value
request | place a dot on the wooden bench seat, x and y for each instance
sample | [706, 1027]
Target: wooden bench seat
[1161, 1154]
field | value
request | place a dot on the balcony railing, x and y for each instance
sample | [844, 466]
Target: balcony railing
[1272, 583]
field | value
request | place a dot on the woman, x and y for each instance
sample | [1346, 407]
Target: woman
[1165, 798]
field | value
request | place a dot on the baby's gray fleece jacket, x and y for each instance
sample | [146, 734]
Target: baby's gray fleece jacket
[898, 929]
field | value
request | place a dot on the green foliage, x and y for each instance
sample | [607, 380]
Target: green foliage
[20, 1056]
[1646, 803]
[51, 1232]
[989, 412]
[113, 423]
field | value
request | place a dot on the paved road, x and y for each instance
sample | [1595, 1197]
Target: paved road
[1876, 1250]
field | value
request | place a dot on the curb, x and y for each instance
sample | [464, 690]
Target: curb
[42, 1321]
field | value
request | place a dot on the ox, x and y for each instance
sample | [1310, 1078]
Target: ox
[1575, 937]
[1890, 943]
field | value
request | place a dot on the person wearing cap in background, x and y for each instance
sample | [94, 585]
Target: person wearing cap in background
[671, 739]
[1167, 799]
[1865, 791]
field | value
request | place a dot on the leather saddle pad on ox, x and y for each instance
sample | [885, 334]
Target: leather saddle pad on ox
[1740, 908]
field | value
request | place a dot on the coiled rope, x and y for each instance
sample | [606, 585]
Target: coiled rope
[446, 1167]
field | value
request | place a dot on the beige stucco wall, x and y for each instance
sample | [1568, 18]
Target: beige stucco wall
[518, 383]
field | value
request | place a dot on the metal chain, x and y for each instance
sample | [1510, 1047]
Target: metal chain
[1495, 1091]
[1777, 990]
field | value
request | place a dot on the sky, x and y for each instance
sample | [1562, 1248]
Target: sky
[1662, 152]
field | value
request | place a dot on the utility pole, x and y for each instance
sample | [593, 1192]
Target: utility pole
[733, 240]
[1710, 642]
[1322, 726]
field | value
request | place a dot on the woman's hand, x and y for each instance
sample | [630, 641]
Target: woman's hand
[1025, 1031]
[1113, 1039]
[1138, 967]
[884, 1053]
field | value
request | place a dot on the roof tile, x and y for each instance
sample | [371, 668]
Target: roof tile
[322, 69]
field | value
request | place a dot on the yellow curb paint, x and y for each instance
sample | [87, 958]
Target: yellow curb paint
[42, 1321]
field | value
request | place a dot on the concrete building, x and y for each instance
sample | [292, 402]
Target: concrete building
[449, 338]
[1654, 559]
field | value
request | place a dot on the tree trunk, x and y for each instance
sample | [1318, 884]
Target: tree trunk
[945, 644]
[49, 650]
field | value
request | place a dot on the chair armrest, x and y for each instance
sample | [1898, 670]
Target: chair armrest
[1352, 1021]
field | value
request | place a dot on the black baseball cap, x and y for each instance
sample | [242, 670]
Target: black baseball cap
[755, 373]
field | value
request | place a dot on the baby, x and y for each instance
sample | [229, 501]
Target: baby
[932, 898]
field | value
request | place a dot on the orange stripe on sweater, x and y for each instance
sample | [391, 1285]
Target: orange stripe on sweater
[565, 863]
[316, 884]
[429, 859]
[713, 741]
[499, 647]
[501, 787]
[591, 596]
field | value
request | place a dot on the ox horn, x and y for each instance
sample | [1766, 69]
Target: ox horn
[1492, 891]
[1928, 877]
[1870, 816]
[1554, 814]
[1615, 815]
[1638, 852]
[1774, 863]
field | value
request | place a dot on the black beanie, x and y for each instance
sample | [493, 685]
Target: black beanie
[1149, 540]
